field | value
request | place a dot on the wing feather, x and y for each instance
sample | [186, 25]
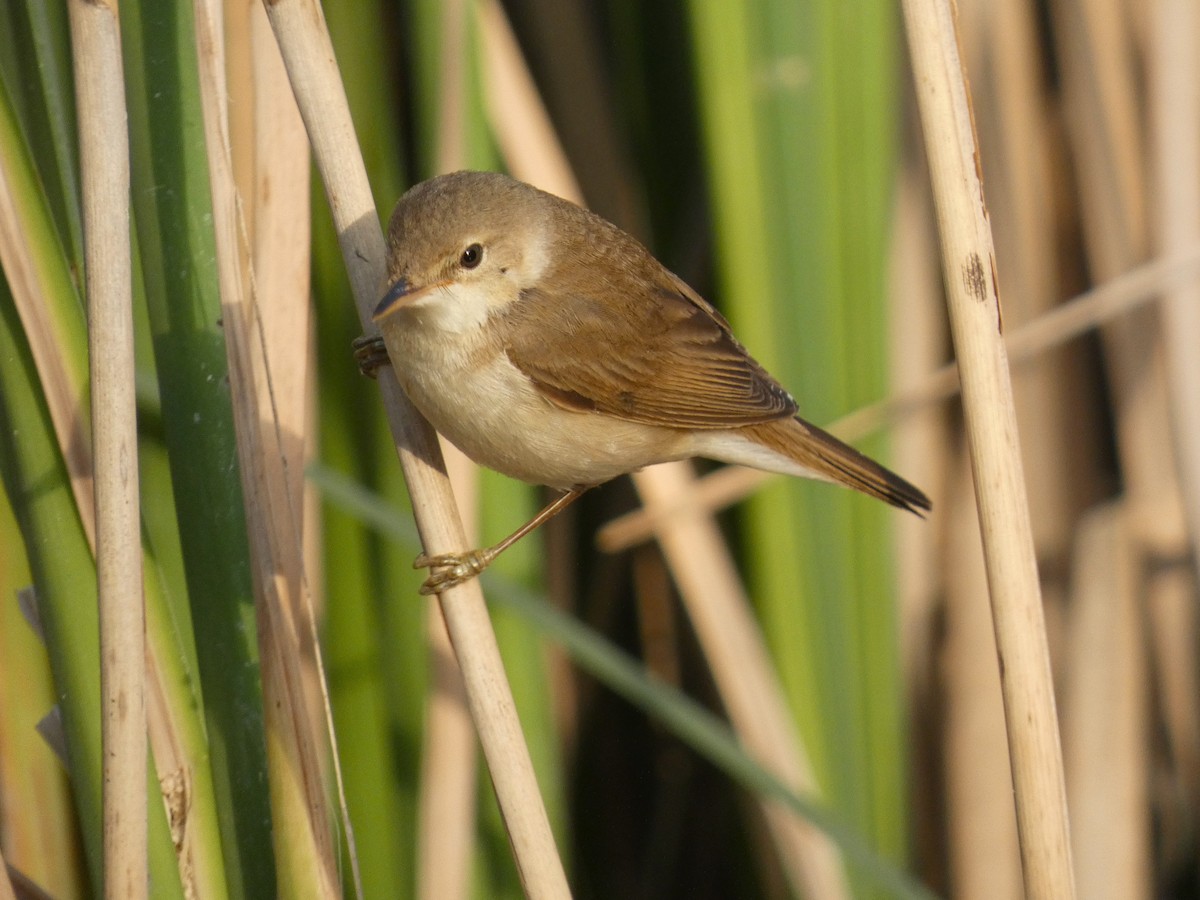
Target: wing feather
[649, 349]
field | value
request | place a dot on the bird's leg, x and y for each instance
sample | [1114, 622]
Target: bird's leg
[449, 569]
[370, 353]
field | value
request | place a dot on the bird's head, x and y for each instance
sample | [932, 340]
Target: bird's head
[462, 245]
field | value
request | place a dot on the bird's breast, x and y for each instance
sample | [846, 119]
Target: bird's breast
[472, 393]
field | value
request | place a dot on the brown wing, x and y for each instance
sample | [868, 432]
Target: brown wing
[649, 350]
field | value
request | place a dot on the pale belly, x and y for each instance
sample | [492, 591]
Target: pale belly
[494, 415]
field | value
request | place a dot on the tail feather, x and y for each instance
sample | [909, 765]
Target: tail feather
[821, 454]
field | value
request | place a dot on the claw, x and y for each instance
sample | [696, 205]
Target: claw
[371, 354]
[449, 569]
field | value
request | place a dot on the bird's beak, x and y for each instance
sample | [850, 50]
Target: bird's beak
[397, 295]
[401, 293]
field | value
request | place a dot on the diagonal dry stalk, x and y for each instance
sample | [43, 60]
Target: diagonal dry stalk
[732, 640]
[303, 39]
[104, 159]
[968, 261]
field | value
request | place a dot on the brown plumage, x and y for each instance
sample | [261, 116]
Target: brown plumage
[838, 462]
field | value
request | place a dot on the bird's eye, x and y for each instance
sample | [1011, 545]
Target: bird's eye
[471, 257]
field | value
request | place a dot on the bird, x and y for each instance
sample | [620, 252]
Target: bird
[551, 346]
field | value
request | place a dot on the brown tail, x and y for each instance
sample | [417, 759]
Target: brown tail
[821, 452]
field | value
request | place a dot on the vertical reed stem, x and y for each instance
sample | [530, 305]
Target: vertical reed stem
[968, 263]
[104, 155]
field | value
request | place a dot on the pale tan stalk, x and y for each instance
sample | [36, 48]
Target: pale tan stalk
[63, 393]
[446, 812]
[305, 859]
[282, 265]
[1106, 716]
[1024, 228]
[1175, 93]
[983, 859]
[518, 118]
[1091, 309]
[1005, 67]
[1171, 592]
[308, 55]
[1100, 85]
[278, 219]
[968, 262]
[1103, 97]
[1173, 620]
[446, 802]
[104, 164]
[453, 86]
[696, 553]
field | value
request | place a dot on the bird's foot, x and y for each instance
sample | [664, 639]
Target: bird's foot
[371, 354]
[449, 569]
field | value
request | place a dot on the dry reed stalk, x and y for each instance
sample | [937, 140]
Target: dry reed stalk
[241, 109]
[302, 833]
[983, 860]
[269, 152]
[1100, 94]
[1097, 306]
[1123, 293]
[277, 214]
[446, 802]
[518, 118]
[308, 55]
[1016, 152]
[969, 266]
[1105, 719]
[1175, 136]
[104, 165]
[1175, 96]
[30, 284]
[447, 817]
[453, 87]
[446, 811]
[696, 552]
[1173, 625]
[177, 778]
[1014, 145]
[280, 225]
